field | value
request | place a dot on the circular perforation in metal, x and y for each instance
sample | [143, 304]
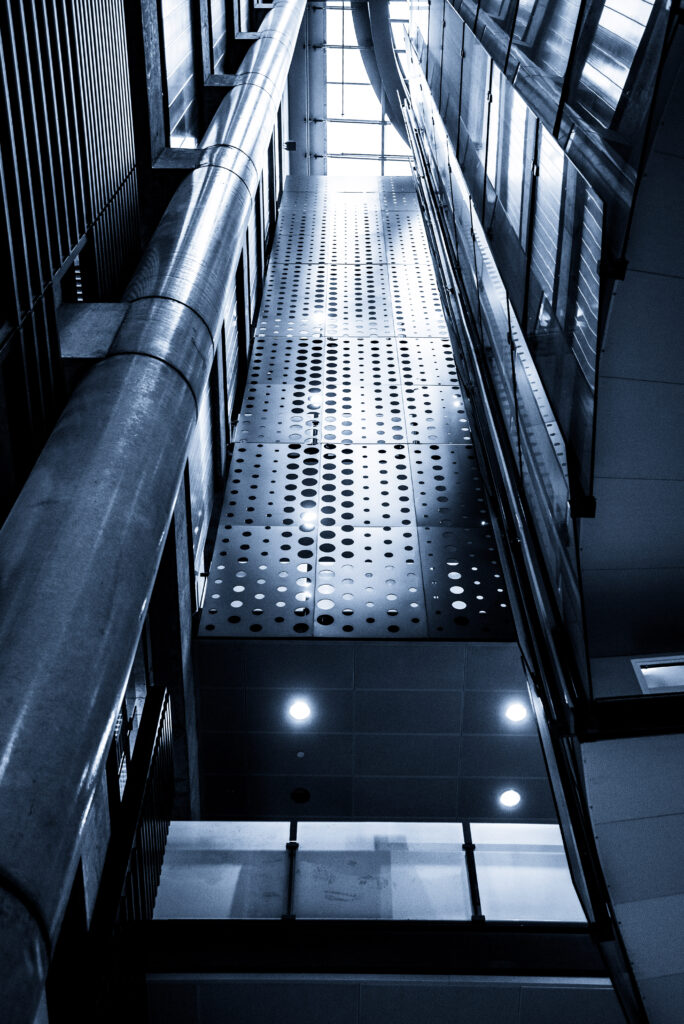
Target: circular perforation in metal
[356, 236]
[302, 236]
[426, 361]
[405, 238]
[273, 485]
[416, 301]
[365, 485]
[362, 361]
[296, 362]
[294, 297]
[464, 590]
[447, 486]
[356, 414]
[261, 583]
[436, 414]
[353, 506]
[278, 415]
[368, 583]
[359, 301]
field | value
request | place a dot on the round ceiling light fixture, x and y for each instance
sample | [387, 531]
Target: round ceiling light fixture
[516, 712]
[299, 710]
[509, 798]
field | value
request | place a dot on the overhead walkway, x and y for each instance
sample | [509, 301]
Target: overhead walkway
[354, 492]
[355, 557]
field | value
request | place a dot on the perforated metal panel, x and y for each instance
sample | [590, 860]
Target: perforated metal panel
[446, 485]
[298, 361]
[261, 582]
[436, 414]
[368, 583]
[273, 485]
[426, 361]
[366, 485]
[359, 301]
[302, 236]
[294, 299]
[357, 234]
[354, 506]
[405, 239]
[416, 301]
[464, 589]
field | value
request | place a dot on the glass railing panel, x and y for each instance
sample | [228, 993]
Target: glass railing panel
[224, 869]
[523, 874]
[381, 870]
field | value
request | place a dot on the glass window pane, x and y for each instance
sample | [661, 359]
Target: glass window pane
[494, 120]
[399, 9]
[398, 167]
[359, 101]
[354, 69]
[398, 34]
[512, 187]
[340, 165]
[394, 144]
[352, 137]
[548, 211]
[523, 873]
[334, 26]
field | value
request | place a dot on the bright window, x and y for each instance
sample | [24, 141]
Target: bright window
[361, 138]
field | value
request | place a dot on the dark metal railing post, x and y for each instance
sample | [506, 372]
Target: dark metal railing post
[471, 868]
[291, 846]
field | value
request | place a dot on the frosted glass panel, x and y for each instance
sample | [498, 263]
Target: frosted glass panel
[223, 870]
[381, 870]
[523, 873]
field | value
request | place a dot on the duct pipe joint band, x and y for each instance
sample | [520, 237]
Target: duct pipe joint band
[231, 158]
[260, 81]
[192, 256]
[161, 327]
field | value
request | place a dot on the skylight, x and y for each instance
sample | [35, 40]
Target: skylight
[361, 139]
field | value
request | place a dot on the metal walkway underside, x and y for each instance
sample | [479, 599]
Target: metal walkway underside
[354, 506]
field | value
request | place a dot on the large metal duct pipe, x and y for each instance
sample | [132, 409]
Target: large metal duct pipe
[80, 550]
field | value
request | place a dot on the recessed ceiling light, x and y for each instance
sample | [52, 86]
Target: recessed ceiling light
[299, 710]
[509, 798]
[515, 711]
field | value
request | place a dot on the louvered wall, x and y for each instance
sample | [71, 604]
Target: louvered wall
[68, 180]
[112, 194]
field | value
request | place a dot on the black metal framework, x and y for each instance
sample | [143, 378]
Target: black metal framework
[368, 947]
